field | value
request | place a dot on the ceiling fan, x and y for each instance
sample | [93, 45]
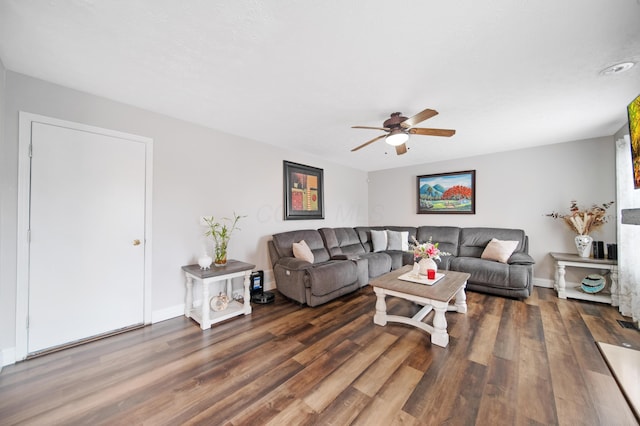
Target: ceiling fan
[398, 128]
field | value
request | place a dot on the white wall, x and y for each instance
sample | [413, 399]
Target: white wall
[514, 189]
[197, 171]
[5, 201]
[200, 171]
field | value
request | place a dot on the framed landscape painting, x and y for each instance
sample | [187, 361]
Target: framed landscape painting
[453, 193]
[303, 192]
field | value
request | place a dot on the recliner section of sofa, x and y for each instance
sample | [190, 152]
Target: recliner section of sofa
[312, 283]
[512, 279]
[345, 260]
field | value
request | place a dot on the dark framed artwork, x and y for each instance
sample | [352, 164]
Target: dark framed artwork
[451, 193]
[303, 192]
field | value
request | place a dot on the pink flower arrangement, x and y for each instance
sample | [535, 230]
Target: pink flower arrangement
[428, 250]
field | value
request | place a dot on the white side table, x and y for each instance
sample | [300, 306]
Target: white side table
[573, 260]
[203, 314]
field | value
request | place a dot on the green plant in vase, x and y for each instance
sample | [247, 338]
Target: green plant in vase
[221, 232]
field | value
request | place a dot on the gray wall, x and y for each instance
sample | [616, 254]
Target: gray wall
[514, 189]
[196, 171]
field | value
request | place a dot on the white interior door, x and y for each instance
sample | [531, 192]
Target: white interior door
[87, 212]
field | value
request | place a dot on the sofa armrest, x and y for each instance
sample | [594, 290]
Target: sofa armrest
[345, 257]
[520, 259]
[294, 264]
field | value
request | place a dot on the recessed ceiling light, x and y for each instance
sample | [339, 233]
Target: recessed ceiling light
[617, 68]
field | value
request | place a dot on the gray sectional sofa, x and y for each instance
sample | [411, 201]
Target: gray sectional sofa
[346, 259]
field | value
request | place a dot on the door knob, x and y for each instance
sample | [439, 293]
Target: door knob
[136, 242]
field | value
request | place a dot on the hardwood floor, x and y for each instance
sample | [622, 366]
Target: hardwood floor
[508, 362]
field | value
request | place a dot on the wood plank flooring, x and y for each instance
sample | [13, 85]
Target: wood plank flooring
[508, 362]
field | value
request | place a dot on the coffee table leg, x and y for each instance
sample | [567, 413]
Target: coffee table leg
[439, 336]
[461, 300]
[380, 318]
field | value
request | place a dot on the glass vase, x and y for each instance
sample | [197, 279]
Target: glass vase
[220, 253]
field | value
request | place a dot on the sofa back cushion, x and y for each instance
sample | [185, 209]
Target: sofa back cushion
[474, 240]
[364, 234]
[341, 241]
[283, 243]
[447, 237]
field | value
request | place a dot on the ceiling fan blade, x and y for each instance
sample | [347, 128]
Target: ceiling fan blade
[369, 142]
[401, 149]
[419, 117]
[368, 127]
[431, 132]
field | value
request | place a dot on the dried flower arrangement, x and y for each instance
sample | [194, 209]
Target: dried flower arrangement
[583, 221]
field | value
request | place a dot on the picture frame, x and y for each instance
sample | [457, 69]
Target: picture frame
[633, 113]
[303, 192]
[447, 193]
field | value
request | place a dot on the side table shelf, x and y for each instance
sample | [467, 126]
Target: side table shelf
[609, 295]
[203, 314]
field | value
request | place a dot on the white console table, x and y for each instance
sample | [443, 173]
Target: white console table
[573, 260]
[203, 314]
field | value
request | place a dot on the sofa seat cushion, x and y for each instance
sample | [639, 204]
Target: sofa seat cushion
[399, 258]
[327, 277]
[379, 263]
[489, 273]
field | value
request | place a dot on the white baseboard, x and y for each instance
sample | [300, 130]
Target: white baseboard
[7, 357]
[178, 310]
[270, 285]
[167, 313]
[543, 282]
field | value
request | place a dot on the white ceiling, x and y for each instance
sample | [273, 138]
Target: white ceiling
[506, 74]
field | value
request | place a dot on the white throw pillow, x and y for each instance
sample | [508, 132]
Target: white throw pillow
[394, 240]
[302, 251]
[379, 240]
[405, 240]
[498, 250]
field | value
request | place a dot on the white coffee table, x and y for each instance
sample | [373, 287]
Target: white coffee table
[435, 297]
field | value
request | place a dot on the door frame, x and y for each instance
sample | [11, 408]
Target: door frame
[24, 184]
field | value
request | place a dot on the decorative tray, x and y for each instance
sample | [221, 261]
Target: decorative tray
[420, 279]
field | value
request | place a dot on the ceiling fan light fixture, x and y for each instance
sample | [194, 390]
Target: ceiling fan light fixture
[397, 137]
